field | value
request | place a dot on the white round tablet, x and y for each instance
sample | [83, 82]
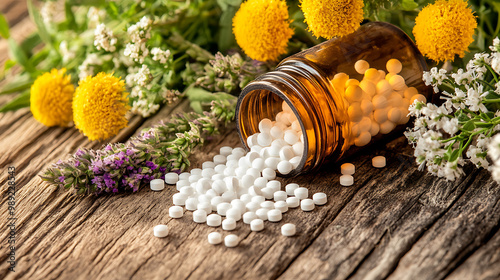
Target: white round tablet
[160, 231]
[157, 184]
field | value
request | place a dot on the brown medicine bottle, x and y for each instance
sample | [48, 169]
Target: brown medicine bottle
[308, 83]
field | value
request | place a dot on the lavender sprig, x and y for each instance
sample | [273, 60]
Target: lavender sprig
[127, 166]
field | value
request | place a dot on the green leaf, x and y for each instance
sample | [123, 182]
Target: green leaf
[408, 5]
[112, 10]
[469, 126]
[22, 101]
[8, 64]
[19, 56]
[226, 36]
[454, 155]
[4, 27]
[37, 18]
[70, 16]
[29, 43]
[18, 83]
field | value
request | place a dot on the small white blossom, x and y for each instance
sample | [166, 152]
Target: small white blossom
[48, 12]
[450, 126]
[87, 67]
[104, 38]
[475, 155]
[66, 53]
[160, 55]
[94, 16]
[140, 31]
[143, 76]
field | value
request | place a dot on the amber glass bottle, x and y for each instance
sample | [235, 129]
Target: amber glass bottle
[307, 82]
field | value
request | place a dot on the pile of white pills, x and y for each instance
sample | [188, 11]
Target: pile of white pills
[239, 186]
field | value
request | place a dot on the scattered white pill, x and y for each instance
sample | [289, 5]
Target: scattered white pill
[290, 137]
[207, 173]
[216, 200]
[191, 203]
[233, 213]
[160, 231]
[175, 212]
[290, 188]
[274, 215]
[179, 199]
[284, 167]
[222, 208]
[264, 139]
[307, 204]
[229, 224]
[267, 192]
[218, 159]
[274, 185]
[301, 193]
[379, 162]
[214, 238]
[157, 184]
[188, 190]
[268, 174]
[249, 217]
[319, 198]
[288, 230]
[347, 169]
[346, 180]
[293, 202]
[225, 151]
[262, 213]
[208, 164]
[171, 178]
[199, 216]
[280, 196]
[257, 225]
[194, 178]
[214, 220]
[205, 206]
[231, 241]
[281, 205]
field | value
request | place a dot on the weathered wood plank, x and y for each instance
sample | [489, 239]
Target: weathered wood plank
[483, 263]
[371, 215]
[463, 229]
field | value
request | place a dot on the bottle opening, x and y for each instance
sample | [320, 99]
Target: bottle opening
[272, 113]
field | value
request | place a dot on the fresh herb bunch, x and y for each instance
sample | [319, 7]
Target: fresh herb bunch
[148, 43]
[448, 136]
[163, 148]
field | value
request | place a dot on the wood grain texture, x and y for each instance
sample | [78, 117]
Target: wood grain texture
[395, 222]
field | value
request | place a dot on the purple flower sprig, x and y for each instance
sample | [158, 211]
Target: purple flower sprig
[127, 166]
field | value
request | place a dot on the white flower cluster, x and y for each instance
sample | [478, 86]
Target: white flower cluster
[87, 67]
[143, 77]
[104, 38]
[139, 33]
[448, 136]
[160, 55]
[48, 12]
[94, 16]
[142, 106]
[66, 53]
[494, 153]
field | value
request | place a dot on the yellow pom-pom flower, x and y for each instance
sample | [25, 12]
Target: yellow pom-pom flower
[331, 18]
[100, 105]
[444, 29]
[262, 28]
[50, 98]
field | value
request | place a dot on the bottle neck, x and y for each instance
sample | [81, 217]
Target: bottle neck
[320, 109]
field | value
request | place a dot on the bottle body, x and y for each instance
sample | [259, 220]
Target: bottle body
[334, 101]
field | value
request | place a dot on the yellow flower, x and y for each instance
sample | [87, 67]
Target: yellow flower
[444, 29]
[330, 18]
[262, 28]
[50, 98]
[100, 105]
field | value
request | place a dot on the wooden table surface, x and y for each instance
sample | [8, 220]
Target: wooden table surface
[396, 223]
